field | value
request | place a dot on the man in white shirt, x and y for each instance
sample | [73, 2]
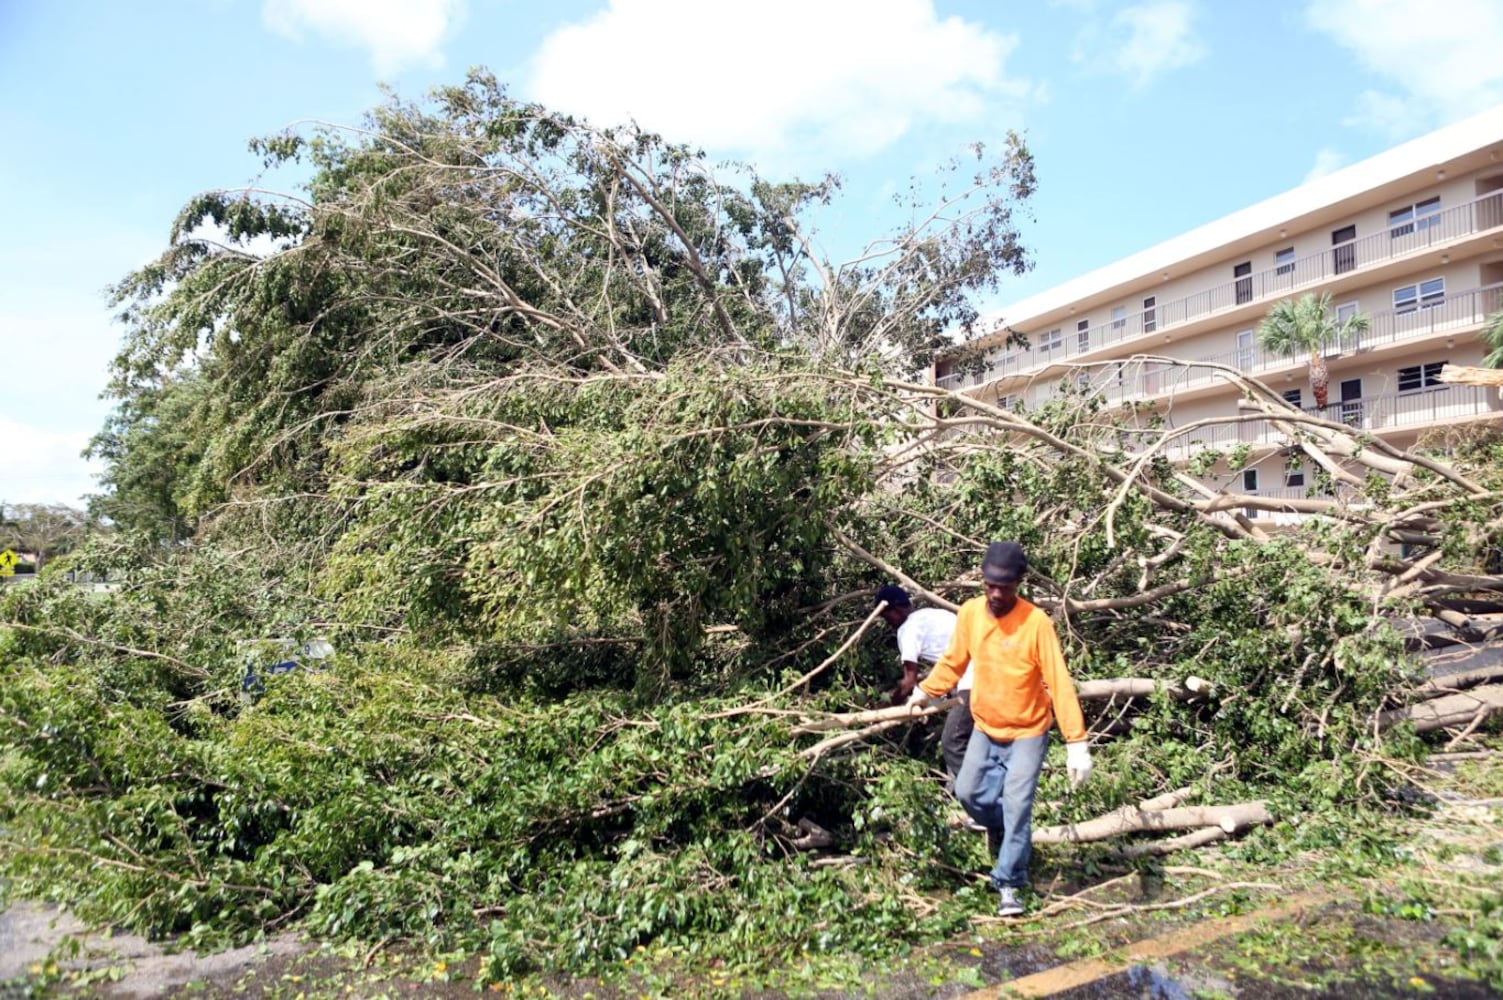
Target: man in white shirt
[923, 636]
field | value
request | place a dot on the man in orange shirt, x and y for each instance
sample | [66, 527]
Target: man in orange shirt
[1020, 686]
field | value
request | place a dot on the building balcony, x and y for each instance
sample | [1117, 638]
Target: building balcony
[1414, 410]
[1458, 313]
[1415, 237]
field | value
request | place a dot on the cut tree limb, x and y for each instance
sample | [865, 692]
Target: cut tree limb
[1466, 375]
[1142, 687]
[1452, 683]
[895, 713]
[1097, 690]
[1228, 818]
[813, 836]
[1184, 842]
[1452, 710]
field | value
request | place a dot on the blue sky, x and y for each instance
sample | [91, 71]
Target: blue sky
[1145, 118]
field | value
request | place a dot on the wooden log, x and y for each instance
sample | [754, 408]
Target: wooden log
[813, 836]
[1228, 818]
[1452, 710]
[1141, 687]
[1467, 375]
[1452, 683]
[1184, 842]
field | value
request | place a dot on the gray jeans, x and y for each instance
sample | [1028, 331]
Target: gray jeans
[957, 734]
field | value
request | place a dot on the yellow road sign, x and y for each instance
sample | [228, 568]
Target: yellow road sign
[8, 562]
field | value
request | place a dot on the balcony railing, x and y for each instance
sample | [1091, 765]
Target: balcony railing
[1417, 408]
[1456, 312]
[1282, 280]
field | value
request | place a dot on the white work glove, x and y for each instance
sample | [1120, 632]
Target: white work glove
[1078, 762]
[920, 698]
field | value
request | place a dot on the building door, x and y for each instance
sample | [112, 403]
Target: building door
[1245, 350]
[1351, 401]
[1344, 257]
[1243, 273]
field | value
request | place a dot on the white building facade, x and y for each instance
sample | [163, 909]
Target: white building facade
[1412, 239]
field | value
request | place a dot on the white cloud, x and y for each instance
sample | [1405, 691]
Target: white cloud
[835, 77]
[1443, 60]
[1143, 42]
[42, 466]
[1327, 161]
[398, 33]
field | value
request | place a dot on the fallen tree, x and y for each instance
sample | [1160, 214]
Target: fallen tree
[589, 465]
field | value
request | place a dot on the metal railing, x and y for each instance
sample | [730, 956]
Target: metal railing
[1456, 312]
[1416, 408]
[1414, 236]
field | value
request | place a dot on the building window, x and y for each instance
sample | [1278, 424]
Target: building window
[1283, 261]
[1421, 296]
[1346, 311]
[1293, 398]
[1010, 401]
[1243, 273]
[1421, 215]
[1083, 382]
[1083, 335]
[1294, 473]
[1051, 341]
[1150, 314]
[1432, 292]
[1249, 480]
[1420, 376]
[1119, 317]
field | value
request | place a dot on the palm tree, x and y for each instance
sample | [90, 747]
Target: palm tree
[1492, 336]
[1307, 327]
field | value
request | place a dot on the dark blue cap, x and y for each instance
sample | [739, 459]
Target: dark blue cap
[1004, 562]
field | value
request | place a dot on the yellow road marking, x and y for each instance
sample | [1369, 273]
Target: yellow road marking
[1088, 970]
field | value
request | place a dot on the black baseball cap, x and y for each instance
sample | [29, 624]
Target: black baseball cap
[1004, 562]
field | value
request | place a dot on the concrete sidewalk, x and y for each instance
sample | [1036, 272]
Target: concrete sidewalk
[30, 932]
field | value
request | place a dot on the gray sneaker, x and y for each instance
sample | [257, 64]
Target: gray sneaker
[1009, 905]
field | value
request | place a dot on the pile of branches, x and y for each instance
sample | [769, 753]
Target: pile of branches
[589, 462]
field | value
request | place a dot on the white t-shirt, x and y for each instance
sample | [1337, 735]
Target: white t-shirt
[925, 636]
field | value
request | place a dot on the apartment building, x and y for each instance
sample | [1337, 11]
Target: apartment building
[1412, 239]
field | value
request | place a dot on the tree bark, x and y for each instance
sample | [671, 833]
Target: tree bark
[1184, 842]
[1095, 690]
[1452, 710]
[1133, 820]
[1452, 683]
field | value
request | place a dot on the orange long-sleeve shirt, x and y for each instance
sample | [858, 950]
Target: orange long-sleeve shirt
[1019, 672]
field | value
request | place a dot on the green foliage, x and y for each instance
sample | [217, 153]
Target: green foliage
[562, 442]
[377, 798]
[1492, 336]
[1481, 943]
[1305, 327]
